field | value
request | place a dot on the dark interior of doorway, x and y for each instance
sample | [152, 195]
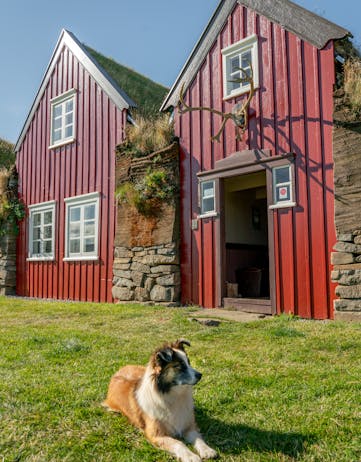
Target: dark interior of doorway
[246, 243]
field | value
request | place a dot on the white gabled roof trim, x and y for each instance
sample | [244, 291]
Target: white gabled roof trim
[111, 88]
[200, 50]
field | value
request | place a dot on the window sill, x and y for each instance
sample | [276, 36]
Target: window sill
[208, 215]
[83, 258]
[282, 206]
[62, 143]
[40, 259]
[236, 95]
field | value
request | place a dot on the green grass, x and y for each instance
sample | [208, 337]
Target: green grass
[280, 389]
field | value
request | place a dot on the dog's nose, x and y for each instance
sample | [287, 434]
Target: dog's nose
[198, 376]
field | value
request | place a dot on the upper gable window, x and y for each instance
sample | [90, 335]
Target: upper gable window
[63, 119]
[242, 54]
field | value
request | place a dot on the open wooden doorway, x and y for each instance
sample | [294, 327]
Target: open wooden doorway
[246, 243]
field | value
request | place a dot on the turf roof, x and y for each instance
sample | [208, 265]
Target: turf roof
[147, 94]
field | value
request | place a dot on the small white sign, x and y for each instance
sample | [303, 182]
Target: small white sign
[208, 193]
[283, 193]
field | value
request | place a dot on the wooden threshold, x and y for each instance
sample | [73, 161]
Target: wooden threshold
[249, 305]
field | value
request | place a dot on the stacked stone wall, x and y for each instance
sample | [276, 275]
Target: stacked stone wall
[7, 264]
[8, 189]
[347, 272]
[346, 257]
[148, 274]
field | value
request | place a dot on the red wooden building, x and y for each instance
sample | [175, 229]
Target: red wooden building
[66, 166]
[259, 211]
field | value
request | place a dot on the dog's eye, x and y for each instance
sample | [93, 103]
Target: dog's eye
[184, 366]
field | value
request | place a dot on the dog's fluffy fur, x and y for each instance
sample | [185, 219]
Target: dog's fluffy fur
[158, 400]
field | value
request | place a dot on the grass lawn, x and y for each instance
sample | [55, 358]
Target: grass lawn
[279, 389]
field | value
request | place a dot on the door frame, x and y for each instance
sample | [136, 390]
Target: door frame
[243, 163]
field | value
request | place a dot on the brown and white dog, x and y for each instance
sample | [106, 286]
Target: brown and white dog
[158, 400]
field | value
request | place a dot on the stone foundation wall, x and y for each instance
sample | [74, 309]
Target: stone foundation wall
[8, 189]
[147, 274]
[7, 265]
[346, 257]
[347, 272]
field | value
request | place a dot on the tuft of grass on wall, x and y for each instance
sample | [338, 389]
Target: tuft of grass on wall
[352, 84]
[149, 134]
[7, 154]
[4, 178]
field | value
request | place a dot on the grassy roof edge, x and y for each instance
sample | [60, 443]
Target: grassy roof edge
[147, 94]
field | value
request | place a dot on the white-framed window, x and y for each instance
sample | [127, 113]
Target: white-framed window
[42, 231]
[82, 227]
[242, 54]
[62, 119]
[283, 186]
[208, 198]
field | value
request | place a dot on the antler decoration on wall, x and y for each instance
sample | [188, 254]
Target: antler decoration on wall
[239, 114]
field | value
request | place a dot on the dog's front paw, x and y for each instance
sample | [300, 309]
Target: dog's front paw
[185, 455]
[194, 458]
[190, 457]
[208, 453]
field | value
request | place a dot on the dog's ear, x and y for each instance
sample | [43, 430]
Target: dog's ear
[165, 355]
[179, 344]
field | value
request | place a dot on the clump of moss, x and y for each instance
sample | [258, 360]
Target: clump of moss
[12, 210]
[148, 193]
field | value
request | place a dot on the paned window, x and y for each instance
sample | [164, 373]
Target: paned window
[208, 198]
[63, 118]
[41, 231]
[82, 227]
[283, 186]
[243, 54]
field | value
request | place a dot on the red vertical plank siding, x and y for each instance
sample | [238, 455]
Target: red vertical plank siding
[206, 156]
[315, 184]
[116, 133]
[82, 167]
[105, 217]
[212, 151]
[253, 132]
[195, 117]
[284, 216]
[301, 224]
[185, 210]
[291, 112]
[326, 83]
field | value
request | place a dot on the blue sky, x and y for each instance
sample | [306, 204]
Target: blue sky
[152, 37]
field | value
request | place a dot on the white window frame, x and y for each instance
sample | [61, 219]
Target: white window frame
[291, 184]
[210, 213]
[55, 102]
[41, 208]
[237, 49]
[81, 201]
